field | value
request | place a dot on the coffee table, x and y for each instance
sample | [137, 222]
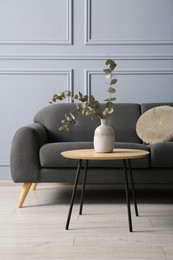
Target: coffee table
[118, 154]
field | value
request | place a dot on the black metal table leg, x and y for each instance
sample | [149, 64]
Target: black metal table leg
[133, 189]
[127, 197]
[83, 187]
[73, 195]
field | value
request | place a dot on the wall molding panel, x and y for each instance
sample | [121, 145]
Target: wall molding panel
[83, 57]
[89, 73]
[121, 38]
[25, 39]
[5, 164]
[67, 73]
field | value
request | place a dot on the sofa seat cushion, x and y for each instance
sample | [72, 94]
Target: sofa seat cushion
[162, 155]
[50, 155]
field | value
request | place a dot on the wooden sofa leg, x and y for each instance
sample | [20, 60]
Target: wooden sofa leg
[34, 185]
[23, 194]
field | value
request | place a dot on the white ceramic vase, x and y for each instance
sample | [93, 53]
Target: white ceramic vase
[104, 138]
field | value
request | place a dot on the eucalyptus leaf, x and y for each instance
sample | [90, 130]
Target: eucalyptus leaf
[91, 99]
[110, 99]
[85, 98]
[108, 61]
[67, 93]
[107, 71]
[75, 96]
[111, 90]
[112, 66]
[64, 129]
[80, 94]
[113, 81]
[72, 116]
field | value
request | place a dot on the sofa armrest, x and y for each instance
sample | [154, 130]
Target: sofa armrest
[24, 157]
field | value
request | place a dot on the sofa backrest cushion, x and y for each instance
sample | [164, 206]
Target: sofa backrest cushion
[123, 121]
[147, 106]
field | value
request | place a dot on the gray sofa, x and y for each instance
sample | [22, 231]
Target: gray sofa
[36, 149]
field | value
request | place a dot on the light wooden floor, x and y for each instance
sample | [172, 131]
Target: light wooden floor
[37, 230]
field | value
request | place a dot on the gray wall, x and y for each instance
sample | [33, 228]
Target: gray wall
[51, 45]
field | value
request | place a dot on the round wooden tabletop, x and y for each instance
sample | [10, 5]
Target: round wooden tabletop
[117, 154]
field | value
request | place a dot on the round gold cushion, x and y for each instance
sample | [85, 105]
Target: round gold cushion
[156, 125]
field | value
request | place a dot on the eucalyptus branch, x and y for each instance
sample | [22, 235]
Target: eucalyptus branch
[90, 106]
